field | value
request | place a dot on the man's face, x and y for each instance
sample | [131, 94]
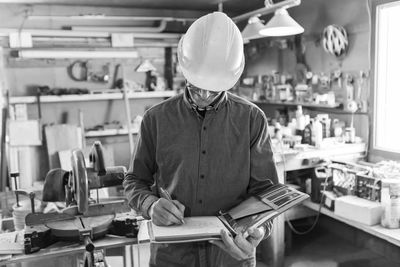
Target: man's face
[202, 98]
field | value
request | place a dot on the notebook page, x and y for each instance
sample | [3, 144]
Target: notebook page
[194, 227]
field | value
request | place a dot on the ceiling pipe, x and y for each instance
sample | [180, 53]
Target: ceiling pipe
[104, 17]
[269, 8]
[69, 33]
[50, 54]
[160, 28]
[102, 42]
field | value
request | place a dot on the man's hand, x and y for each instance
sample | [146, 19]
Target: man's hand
[165, 212]
[243, 246]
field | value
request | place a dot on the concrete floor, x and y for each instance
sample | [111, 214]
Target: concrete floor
[316, 249]
[322, 249]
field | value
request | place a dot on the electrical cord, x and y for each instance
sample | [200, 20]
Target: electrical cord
[316, 218]
[320, 203]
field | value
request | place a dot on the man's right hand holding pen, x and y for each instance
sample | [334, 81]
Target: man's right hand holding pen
[166, 211]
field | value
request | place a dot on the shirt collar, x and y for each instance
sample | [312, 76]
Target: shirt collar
[215, 105]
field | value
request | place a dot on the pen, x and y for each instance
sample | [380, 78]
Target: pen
[164, 194]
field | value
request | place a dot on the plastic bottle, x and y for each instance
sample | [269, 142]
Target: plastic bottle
[278, 131]
[300, 121]
[317, 133]
[307, 119]
[307, 134]
[293, 126]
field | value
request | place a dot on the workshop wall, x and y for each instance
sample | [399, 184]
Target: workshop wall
[24, 76]
[314, 15]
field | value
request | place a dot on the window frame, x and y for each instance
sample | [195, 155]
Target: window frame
[376, 154]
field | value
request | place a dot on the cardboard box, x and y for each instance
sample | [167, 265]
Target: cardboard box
[358, 209]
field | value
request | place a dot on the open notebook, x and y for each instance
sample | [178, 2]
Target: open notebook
[251, 213]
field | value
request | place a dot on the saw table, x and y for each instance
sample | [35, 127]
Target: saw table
[67, 254]
[84, 219]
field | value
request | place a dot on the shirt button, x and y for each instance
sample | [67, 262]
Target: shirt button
[202, 176]
[204, 152]
[200, 201]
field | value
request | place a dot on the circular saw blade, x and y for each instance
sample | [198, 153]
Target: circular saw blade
[80, 181]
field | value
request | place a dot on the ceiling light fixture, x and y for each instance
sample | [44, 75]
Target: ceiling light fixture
[269, 8]
[281, 24]
[252, 29]
[145, 66]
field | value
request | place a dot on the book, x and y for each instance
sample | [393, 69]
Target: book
[251, 213]
[199, 228]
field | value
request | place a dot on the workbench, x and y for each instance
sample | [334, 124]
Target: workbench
[59, 254]
[390, 235]
[376, 238]
[272, 250]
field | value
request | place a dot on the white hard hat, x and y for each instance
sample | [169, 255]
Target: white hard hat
[334, 40]
[210, 54]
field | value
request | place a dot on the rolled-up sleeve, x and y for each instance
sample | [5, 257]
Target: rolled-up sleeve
[263, 172]
[139, 179]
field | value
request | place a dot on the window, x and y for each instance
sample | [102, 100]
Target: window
[386, 85]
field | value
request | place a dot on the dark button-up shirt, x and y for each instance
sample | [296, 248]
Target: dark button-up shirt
[208, 163]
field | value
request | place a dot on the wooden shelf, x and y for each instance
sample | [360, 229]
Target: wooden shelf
[110, 132]
[390, 235]
[89, 97]
[311, 105]
[337, 108]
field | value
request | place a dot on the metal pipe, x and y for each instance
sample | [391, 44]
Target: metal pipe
[104, 17]
[69, 33]
[267, 9]
[41, 53]
[104, 42]
[159, 28]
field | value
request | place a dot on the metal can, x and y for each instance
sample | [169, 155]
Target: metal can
[349, 135]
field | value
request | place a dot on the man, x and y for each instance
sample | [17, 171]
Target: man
[208, 148]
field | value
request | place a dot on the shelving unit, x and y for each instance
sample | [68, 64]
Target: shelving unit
[390, 235]
[89, 97]
[337, 108]
[310, 105]
[110, 132]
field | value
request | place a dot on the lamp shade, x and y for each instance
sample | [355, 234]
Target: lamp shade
[281, 24]
[252, 29]
[145, 66]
